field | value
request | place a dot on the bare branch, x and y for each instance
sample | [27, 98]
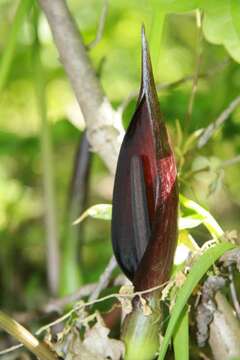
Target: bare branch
[214, 126]
[174, 84]
[101, 25]
[233, 290]
[197, 68]
[59, 304]
[104, 126]
[230, 162]
[86, 290]
[104, 279]
[10, 349]
[83, 305]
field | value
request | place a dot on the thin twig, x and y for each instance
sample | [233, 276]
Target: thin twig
[58, 304]
[51, 227]
[233, 291]
[214, 126]
[224, 164]
[231, 162]
[104, 279]
[204, 75]
[87, 304]
[101, 25]
[90, 303]
[104, 124]
[10, 349]
[84, 291]
[174, 84]
[197, 69]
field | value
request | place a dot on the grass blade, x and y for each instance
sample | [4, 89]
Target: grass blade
[6, 60]
[181, 337]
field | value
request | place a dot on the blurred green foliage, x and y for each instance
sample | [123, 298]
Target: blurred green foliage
[175, 45]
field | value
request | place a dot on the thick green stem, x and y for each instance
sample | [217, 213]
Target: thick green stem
[141, 330]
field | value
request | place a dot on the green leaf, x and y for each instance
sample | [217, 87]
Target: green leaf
[198, 270]
[207, 219]
[186, 239]
[170, 6]
[185, 246]
[159, 10]
[99, 211]
[155, 39]
[221, 24]
[181, 337]
[235, 12]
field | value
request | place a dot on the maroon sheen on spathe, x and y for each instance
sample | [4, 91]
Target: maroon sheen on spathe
[145, 196]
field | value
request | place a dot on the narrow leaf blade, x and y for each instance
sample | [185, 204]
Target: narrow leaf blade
[181, 337]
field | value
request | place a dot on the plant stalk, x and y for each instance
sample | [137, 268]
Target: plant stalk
[141, 329]
[52, 241]
[25, 337]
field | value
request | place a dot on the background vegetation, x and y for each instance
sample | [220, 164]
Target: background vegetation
[35, 91]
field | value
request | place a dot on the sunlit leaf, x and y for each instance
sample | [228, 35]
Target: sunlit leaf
[235, 12]
[186, 245]
[221, 25]
[207, 219]
[189, 222]
[99, 211]
[171, 6]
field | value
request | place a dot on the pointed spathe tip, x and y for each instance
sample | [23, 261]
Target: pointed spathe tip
[147, 75]
[145, 52]
[143, 32]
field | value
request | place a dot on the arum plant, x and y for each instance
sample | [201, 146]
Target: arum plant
[144, 214]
